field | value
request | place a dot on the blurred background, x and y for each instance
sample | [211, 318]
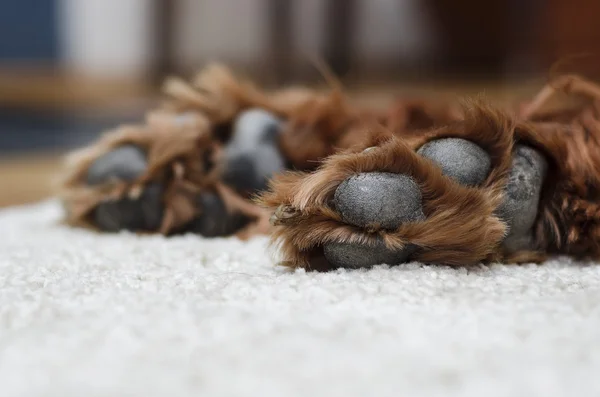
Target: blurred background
[72, 68]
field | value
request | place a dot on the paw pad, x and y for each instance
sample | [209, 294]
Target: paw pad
[379, 199]
[520, 207]
[354, 255]
[125, 163]
[215, 220]
[462, 160]
[144, 213]
[252, 155]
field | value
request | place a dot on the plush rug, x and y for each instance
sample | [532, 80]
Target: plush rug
[84, 314]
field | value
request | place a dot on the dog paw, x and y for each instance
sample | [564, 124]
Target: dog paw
[455, 200]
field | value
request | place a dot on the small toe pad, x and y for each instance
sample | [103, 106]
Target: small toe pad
[462, 160]
[125, 163]
[379, 199]
[252, 155]
[253, 127]
[522, 195]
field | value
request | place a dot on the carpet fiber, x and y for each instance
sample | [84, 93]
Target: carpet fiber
[83, 314]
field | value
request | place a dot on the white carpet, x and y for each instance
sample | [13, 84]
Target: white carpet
[83, 314]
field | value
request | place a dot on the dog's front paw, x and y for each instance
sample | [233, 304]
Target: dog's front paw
[459, 198]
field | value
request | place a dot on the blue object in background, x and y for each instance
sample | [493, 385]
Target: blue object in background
[29, 33]
[28, 30]
[26, 130]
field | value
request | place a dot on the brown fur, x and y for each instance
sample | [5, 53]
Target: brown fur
[220, 96]
[214, 98]
[176, 153]
[167, 158]
[330, 124]
[460, 228]
[570, 215]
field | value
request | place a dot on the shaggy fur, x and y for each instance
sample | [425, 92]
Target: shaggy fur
[178, 153]
[182, 156]
[461, 226]
[179, 149]
[173, 162]
[570, 214]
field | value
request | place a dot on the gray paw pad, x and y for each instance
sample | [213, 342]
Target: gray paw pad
[379, 199]
[252, 155]
[250, 171]
[522, 195]
[215, 221]
[142, 214]
[253, 127]
[461, 160]
[125, 163]
[352, 255]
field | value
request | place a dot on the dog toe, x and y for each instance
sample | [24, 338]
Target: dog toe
[125, 163]
[379, 200]
[462, 160]
[522, 195]
[141, 214]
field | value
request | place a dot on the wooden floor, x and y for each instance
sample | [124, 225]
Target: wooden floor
[28, 178]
